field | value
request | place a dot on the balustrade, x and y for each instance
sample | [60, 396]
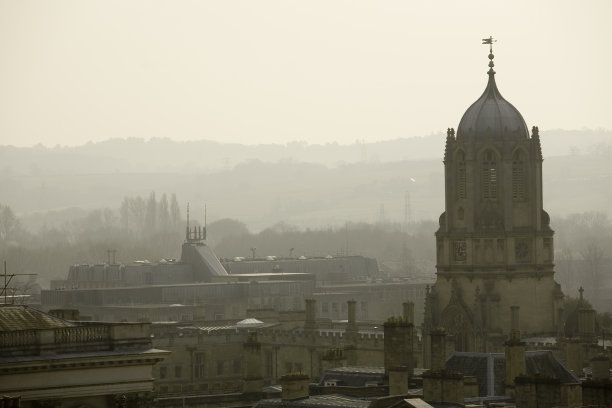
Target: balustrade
[81, 334]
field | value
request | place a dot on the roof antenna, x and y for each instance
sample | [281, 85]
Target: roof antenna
[6, 287]
[187, 228]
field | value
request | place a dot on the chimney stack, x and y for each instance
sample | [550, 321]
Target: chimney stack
[600, 366]
[311, 315]
[515, 354]
[514, 318]
[351, 327]
[409, 311]
[438, 349]
[398, 345]
[253, 378]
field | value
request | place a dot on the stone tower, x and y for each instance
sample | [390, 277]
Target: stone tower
[494, 244]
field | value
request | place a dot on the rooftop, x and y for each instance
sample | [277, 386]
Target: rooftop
[318, 401]
[14, 318]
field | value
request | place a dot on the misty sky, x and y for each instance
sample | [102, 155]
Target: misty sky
[262, 71]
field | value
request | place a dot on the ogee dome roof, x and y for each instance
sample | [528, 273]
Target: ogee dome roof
[491, 115]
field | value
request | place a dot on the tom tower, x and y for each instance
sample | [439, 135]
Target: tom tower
[494, 245]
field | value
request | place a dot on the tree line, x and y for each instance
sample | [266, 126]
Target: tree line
[152, 227]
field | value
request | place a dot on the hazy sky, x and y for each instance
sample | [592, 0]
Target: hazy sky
[259, 71]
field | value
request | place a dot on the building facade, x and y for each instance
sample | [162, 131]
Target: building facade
[47, 361]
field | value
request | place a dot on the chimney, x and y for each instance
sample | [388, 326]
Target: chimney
[311, 314]
[352, 321]
[351, 327]
[438, 349]
[586, 324]
[409, 311]
[600, 366]
[514, 318]
[398, 344]
[515, 354]
[294, 386]
[399, 380]
[253, 379]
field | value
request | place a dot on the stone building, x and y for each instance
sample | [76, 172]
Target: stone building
[494, 243]
[197, 287]
[209, 358]
[47, 361]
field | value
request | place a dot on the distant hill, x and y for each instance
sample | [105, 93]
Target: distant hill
[306, 185]
[166, 156]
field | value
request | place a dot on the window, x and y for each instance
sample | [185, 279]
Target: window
[518, 176]
[178, 371]
[219, 367]
[364, 310]
[269, 363]
[162, 372]
[489, 176]
[199, 368]
[461, 176]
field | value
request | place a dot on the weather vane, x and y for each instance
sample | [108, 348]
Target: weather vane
[489, 41]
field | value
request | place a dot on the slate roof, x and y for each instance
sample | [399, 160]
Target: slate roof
[14, 318]
[315, 401]
[490, 372]
[353, 376]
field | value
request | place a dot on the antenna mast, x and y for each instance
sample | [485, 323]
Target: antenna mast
[10, 277]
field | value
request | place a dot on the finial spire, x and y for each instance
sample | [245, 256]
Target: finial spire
[490, 41]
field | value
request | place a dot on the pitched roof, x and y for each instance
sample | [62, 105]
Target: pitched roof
[489, 368]
[14, 318]
[315, 401]
[354, 376]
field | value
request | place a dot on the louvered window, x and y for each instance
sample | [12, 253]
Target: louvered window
[489, 176]
[518, 176]
[461, 176]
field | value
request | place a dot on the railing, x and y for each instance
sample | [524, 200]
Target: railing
[17, 338]
[28, 341]
[82, 334]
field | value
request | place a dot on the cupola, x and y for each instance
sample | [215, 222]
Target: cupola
[491, 115]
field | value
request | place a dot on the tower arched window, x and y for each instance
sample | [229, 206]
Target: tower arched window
[518, 176]
[489, 175]
[461, 176]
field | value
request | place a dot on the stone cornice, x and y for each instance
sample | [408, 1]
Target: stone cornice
[54, 363]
